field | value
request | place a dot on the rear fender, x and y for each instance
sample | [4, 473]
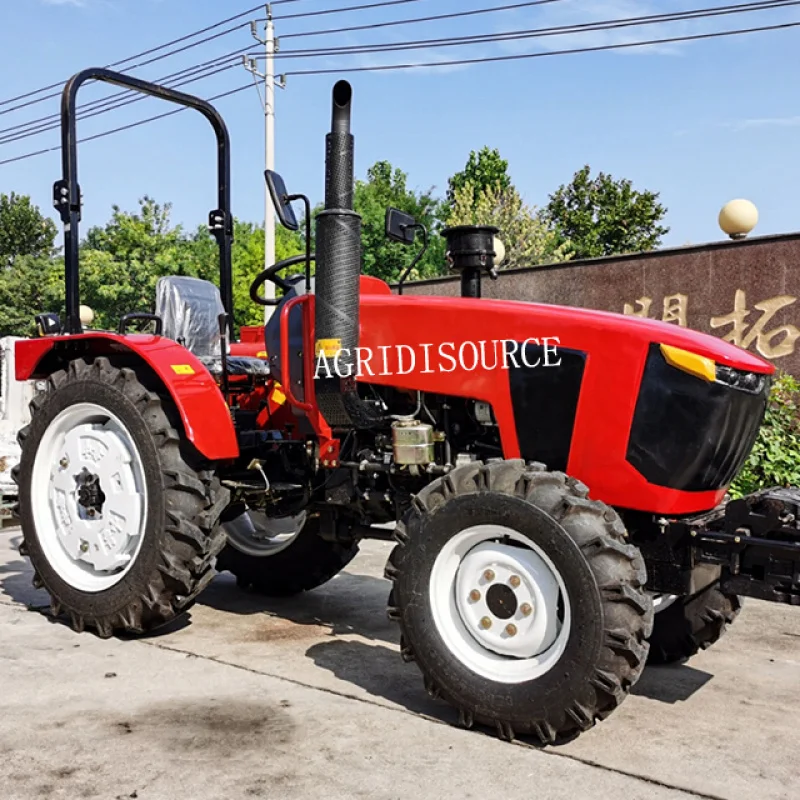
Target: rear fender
[205, 415]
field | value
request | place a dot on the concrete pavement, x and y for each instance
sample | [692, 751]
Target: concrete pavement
[256, 698]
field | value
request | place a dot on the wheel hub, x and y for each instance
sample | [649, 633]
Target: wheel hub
[501, 600]
[508, 599]
[89, 497]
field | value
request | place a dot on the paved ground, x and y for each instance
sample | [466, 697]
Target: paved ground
[252, 698]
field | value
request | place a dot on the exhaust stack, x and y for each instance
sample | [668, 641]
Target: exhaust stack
[338, 249]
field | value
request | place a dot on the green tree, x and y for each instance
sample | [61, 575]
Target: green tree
[775, 457]
[32, 285]
[247, 262]
[527, 239]
[485, 169]
[602, 216]
[24, 231]
[386, 186]
[122, 261]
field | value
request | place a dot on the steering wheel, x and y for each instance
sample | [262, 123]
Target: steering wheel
[270, 274]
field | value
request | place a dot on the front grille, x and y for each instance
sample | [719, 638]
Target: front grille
[690, 434]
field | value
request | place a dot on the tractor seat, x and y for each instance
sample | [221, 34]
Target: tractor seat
[190, 309]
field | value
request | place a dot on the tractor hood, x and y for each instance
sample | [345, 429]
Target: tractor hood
[669, 412]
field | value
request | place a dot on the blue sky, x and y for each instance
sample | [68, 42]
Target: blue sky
[699, 122]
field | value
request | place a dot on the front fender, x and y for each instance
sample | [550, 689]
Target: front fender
[205, 415]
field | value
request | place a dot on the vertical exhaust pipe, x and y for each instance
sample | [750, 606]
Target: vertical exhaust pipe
[338, 249]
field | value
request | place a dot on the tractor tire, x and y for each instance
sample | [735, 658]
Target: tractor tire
[690, 624]
[281, 560]
[520, 600]
[120, 527]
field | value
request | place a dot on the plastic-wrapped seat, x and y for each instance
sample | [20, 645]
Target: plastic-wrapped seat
[190, 309]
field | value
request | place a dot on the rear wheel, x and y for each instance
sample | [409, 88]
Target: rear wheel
[519, 600]
[121, 529]
[281, 557]
[685, 625]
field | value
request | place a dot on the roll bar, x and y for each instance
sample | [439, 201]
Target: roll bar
[67, 194]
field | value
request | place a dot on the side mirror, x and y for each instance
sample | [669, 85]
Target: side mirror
[400, 227]
[48, 324]
[280, 199]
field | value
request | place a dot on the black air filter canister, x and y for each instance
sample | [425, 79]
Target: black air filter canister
[470, 250]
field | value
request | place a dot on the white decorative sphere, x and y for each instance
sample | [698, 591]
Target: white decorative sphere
[499, 252]
[86, 314]
[738, 218]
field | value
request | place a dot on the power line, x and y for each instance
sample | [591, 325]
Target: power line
[418, 20]
[133, 97]
[461, 62]
[126, 127]
[522, 56]
[147, 53]
[561, 30]
[51, 122]
[130, 68]
[367, 6]
[107, 102]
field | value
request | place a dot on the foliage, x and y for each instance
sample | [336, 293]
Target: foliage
[122, 261]
[386, 186]
[526, 238]
[247, 262]
[484, 170]
[24, 231]
[602, 216]
[32, 285]
[775, 457]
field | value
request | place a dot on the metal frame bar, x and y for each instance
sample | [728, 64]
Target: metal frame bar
[67, 196]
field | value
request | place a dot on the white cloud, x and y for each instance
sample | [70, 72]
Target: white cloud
[767, 122]
[76, 3]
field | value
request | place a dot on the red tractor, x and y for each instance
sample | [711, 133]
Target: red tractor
[557, 476]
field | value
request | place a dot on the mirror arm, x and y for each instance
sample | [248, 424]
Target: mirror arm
[290, 198]
[421, 227]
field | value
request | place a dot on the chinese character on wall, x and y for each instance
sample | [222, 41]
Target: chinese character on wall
[772, 343]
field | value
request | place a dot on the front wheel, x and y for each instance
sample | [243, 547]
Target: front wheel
[520, 600]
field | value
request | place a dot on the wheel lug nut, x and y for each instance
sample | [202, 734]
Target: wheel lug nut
[511, 629]
[489, 575]
[486, 623]
[84, 546]
[526, 609]
[514, 581]
[474, 595]
[64, 463]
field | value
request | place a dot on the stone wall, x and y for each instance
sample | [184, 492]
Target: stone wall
[746, 292]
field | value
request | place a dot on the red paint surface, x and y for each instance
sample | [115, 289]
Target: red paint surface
[203, 410]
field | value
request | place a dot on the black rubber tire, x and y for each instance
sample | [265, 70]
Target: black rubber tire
[182, 537]
[691, 624]
[308, 562]
[604, 577]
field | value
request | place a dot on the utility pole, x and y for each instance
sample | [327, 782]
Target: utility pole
[271, 45]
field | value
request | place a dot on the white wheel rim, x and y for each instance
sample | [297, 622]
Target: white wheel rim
[495, 574]
[90, 553]
[255, 534]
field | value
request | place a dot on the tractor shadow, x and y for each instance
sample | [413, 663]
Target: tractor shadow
[671, 684]
[351, 604]
[380, 672]
[16, 575]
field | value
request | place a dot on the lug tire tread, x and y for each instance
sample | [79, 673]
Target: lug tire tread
[618, 567]
[193, 501]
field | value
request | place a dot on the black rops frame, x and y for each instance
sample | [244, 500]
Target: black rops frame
[67, 194]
